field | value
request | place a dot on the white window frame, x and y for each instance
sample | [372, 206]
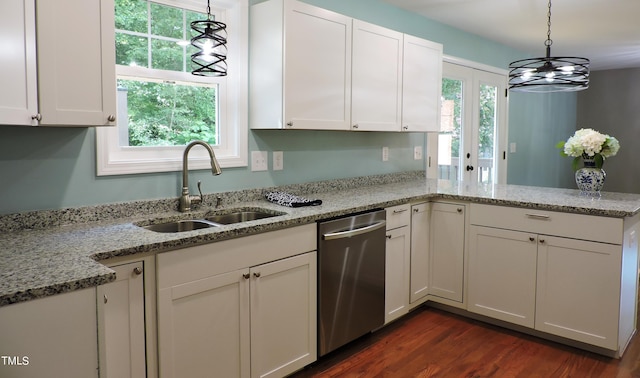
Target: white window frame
[231, 150]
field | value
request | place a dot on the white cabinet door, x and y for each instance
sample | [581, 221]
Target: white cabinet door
[203, 327]
[578, 290]
[377, 78]
[397, 271]
[121, 323]
[300, 67]
[446, 259]
[18, 92]
[421, 84]
[283, 316]
[50, 337]
[502, 274]
[419, 251]
[76, 62]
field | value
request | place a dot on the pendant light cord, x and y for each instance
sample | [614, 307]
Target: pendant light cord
[548, 42]
[209, 10]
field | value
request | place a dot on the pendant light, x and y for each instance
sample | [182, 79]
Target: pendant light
[211, 42]
[549, 74]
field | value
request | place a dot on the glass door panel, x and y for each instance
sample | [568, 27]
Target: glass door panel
[450, 130]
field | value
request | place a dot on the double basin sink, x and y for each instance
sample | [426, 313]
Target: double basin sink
[212, 220]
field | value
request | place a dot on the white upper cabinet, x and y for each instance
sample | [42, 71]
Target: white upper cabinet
[76, 62]
[18, 93]
[421, 85]
[72, 80]
[315, 69]
[300, 65]
[376, 91]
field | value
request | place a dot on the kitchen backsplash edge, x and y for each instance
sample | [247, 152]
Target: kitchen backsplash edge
[42, 219]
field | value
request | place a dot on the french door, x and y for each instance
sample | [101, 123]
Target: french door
[472, 138]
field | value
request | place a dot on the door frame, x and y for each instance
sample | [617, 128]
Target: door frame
[502, 119]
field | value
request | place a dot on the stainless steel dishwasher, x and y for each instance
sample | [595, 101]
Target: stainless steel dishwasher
[351, 268]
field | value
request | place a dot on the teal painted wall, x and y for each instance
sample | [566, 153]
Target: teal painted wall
[50, 168]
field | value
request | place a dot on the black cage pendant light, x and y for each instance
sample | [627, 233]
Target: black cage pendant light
[549, 74]
[211, 42]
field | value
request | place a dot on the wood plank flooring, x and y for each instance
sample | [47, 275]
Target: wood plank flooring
[435, 343]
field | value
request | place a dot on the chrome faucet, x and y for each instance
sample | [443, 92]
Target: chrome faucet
[187, 200]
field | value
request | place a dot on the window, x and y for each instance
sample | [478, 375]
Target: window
[161, 105]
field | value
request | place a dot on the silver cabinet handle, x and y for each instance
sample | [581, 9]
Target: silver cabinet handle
[399, 211]
[137, 270]
[537, 216]
[105, 298]
[111, 118]
[37, 117]
[357, 231]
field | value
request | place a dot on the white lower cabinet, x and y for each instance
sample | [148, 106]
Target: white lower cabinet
[559, 284]
[446, 250]
[502, 274]
[53, 336]
[397, 262]
[253, 321]
[578, 290]
[419, 285]
[121, 323]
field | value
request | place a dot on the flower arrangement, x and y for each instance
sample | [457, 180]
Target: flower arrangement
[591, 145]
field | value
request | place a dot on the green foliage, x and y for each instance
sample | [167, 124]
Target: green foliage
[161, 113]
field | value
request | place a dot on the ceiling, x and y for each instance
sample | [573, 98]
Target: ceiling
[605, 31]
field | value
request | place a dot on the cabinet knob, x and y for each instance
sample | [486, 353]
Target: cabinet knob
[246, 276]
[459, 209]
[137, 270]
[541, 241]
[290, 124]
[388, 236]
[531, 238]
[256, 274]
[405, 127]
[355, 126]
[37, 117]
[111, 118]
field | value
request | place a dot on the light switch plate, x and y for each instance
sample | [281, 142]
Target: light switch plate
[259, 161]
[385, 153]
[278, 161]
[417, 153]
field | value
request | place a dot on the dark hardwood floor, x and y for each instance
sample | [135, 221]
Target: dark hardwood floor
[434, 343]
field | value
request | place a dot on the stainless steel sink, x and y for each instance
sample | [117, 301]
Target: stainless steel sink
[180, 226]
[241, 216]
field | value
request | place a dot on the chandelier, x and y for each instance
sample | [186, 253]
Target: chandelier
[549, 74]
[210, 59]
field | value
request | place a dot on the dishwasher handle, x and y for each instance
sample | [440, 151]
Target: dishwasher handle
[357, 231]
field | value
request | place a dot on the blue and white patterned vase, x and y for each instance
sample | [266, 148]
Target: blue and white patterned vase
[590, 179]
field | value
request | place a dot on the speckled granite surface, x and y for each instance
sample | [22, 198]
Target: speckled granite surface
[50, 252]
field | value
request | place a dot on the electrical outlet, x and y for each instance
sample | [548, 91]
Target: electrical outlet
[512, 147]
[259, 161]
[278, 161]
[417, 153]
[385, 153]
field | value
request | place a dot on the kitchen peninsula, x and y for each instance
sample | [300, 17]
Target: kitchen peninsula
[543, 231]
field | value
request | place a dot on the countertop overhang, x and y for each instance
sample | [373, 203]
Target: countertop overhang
[36, 263]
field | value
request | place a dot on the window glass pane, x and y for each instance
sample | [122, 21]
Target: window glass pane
[168, 114]
[450, 124]
[131, 50]
[131, 15]
[167, 21]
[487, 133]
[167, 55]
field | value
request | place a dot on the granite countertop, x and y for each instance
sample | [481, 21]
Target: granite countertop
[51, 252]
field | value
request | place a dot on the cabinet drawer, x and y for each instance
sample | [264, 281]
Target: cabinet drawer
[577, 226]
[202, 261]
[398, 216]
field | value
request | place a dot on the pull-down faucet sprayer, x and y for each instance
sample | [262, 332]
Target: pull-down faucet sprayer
[187, 200]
